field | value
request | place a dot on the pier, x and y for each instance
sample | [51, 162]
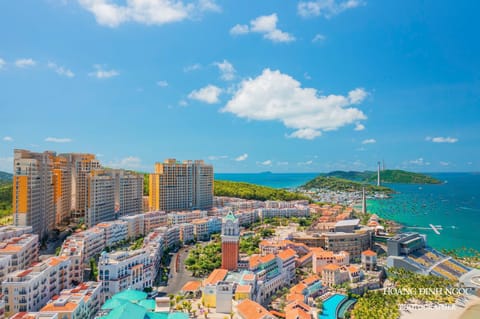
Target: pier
[434, 229]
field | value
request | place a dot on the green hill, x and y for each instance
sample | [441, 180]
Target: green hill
[5, 177]
[386, 176]
[344, 185]
[252, 191]
[6, 188]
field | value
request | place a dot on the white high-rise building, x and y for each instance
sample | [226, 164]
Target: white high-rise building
[181, 186]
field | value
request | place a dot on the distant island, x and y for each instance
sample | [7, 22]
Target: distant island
[386, 176]
[343, 185]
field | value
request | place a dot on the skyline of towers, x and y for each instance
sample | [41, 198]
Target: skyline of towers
[230, 242]
[50, 190]
[183, 185]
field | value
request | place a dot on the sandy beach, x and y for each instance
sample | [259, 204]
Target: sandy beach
[459, 311]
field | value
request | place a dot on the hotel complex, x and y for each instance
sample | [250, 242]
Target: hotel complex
[320, 251]
[181, 186]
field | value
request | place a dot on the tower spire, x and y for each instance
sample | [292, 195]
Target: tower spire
[378, 173]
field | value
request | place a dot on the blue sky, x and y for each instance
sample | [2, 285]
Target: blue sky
[285, 86]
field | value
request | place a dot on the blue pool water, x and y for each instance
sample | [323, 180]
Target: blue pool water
[330, 306]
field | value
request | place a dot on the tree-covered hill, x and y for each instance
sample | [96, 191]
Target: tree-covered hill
[386, 176]
[252, 191]
[344, 185]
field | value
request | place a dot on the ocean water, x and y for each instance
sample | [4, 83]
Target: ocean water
[453, 205]
[275, 180]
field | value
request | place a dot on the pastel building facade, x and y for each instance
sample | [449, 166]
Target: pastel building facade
[21, 252]
[32, 202]
[125, 269]
[30, 289]
[80, 302]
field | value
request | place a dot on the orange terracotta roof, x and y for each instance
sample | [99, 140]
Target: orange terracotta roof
[310, 280]
[298, 288]
[69, 306]
[11, 248]
[54, 261]
[216, 276]
[192, 286]
[267, 258]
[369, 252]
[304, 258]
[331, 267]
[297, 305]
[297, 314]
[323, 254]
[286, 254]
[295, 297]
[277, 314]
[244, 289]
[24, 273]
[352, 269]
[254, 261]
[249, 277]
[249, 309]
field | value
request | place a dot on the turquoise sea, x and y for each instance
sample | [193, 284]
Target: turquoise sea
[276, 180]
[453, 205]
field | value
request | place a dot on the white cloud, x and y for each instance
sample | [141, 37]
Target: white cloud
[419, 162]
[239, 29]
[326, 8]
[162, 83]
[215, 157]
[60, 70]
[442, 163]
[227, 71]
[274, 96]
[369, 141]
[25, 63]
[241, 157]
[282, 163]
[440, 139]
[2, 63]
[193, 67]
[149, 12]
[209, 94]
[266, 25]
[305, 133]
[310, 162]
[100, 73]
[319, 38]
[266, 163]
[6, 164]
[130, 162]
[8, 139]
[359, 127]
[182, 103]
[209, 5]
[307, 76]
[58, 139]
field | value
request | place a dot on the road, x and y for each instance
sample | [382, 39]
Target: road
[179, 275]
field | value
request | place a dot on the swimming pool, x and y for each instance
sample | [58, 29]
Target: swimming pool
[330, 306]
